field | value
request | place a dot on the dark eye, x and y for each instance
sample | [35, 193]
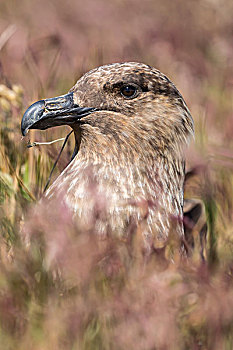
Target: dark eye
[129, 91]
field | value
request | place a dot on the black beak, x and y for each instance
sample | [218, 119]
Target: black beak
[51, 112]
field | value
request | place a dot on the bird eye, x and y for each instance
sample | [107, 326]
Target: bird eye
[129, 91]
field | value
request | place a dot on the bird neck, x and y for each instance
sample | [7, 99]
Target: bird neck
[125, 170]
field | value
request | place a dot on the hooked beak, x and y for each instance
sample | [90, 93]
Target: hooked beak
[61, 110]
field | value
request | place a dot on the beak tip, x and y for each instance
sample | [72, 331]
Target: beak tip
[24, 128]
[31, 115]
[24, 131]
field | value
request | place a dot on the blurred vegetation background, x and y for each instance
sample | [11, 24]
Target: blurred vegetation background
[45, 46]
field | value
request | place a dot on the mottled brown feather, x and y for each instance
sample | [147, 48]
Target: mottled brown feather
[130, 163]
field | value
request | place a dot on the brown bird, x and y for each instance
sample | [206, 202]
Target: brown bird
[131, 128]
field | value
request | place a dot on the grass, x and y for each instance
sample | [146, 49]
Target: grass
[67, 290]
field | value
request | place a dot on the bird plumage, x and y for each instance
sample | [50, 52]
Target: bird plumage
[130, 160]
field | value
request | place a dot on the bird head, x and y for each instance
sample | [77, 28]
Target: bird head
[125, 100]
